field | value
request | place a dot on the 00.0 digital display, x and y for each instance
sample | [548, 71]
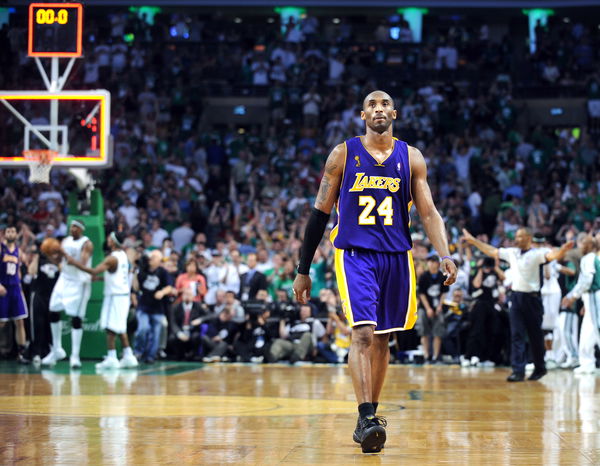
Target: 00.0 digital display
[49, 16]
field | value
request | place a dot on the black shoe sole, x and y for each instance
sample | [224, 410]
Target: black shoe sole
[373, 440]
[356, 439]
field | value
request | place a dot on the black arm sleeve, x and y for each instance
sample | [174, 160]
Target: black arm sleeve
[313, 234]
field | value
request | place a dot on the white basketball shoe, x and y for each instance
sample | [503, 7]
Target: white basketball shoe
[128, 361]
[75, 362]
[108, 363]
[53, 357]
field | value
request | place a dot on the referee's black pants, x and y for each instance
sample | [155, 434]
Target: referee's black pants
[41, 336]
[526, 314]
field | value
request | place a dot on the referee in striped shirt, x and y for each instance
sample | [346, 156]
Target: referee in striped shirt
[526, 310]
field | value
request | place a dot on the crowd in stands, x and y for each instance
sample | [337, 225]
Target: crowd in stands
[225, 208]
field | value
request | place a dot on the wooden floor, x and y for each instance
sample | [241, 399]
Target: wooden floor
[262, 414]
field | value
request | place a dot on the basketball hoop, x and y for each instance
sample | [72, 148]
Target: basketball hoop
[40, 164]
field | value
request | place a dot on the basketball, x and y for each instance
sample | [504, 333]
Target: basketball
[50, 246]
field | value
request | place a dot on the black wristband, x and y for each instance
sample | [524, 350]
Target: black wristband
[317, 222]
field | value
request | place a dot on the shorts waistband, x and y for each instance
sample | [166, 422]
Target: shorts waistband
[375, 251]
[531, 293]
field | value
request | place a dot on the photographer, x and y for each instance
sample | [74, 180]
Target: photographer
[483, 317]
[282, 306]
[298, 336]
[219, 336]
[231, 303]
[454, 310]
[256, 335]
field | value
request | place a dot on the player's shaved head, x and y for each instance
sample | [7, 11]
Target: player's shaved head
[378, 112]
[378, 95]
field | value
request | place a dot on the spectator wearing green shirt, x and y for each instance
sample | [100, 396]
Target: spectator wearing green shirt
[285, 279]
[317, 273]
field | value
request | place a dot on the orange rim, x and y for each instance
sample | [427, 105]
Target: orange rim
[43, 156]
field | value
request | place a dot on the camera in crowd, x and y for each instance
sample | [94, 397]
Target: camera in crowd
[285, 310]
[255, 308]
[488, 264]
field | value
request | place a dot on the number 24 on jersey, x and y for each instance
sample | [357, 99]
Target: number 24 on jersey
[384, 210]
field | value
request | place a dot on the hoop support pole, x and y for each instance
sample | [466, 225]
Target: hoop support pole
[23, 120]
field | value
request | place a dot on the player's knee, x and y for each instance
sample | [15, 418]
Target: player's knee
[54, 317]
[76, 323]
[382, 341]
[362, 335]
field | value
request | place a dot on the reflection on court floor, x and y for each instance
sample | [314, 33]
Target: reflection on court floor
[270, 414]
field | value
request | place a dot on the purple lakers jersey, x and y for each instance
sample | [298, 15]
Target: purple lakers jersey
[374, 201]
[9, 266]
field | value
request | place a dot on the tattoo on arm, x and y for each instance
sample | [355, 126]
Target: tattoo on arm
[324, 190]
[330, 182]
[330, 167]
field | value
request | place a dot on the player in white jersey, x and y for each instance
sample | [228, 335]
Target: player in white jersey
[117, 299]
[551, 296]
[71, 294]
[588, 289]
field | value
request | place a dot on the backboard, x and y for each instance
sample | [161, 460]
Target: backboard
[76, 124]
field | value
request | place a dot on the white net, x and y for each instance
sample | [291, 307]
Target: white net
[40, 165]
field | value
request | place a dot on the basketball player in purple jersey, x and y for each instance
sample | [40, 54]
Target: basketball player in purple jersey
[373, 180]
[12, 301]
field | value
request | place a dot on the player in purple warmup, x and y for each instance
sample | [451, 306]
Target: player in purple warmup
[12, 302]
[373, 180]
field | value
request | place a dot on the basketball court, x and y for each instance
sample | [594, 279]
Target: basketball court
[186, 413]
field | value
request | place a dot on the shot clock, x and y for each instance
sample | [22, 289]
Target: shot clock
[55, 29]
